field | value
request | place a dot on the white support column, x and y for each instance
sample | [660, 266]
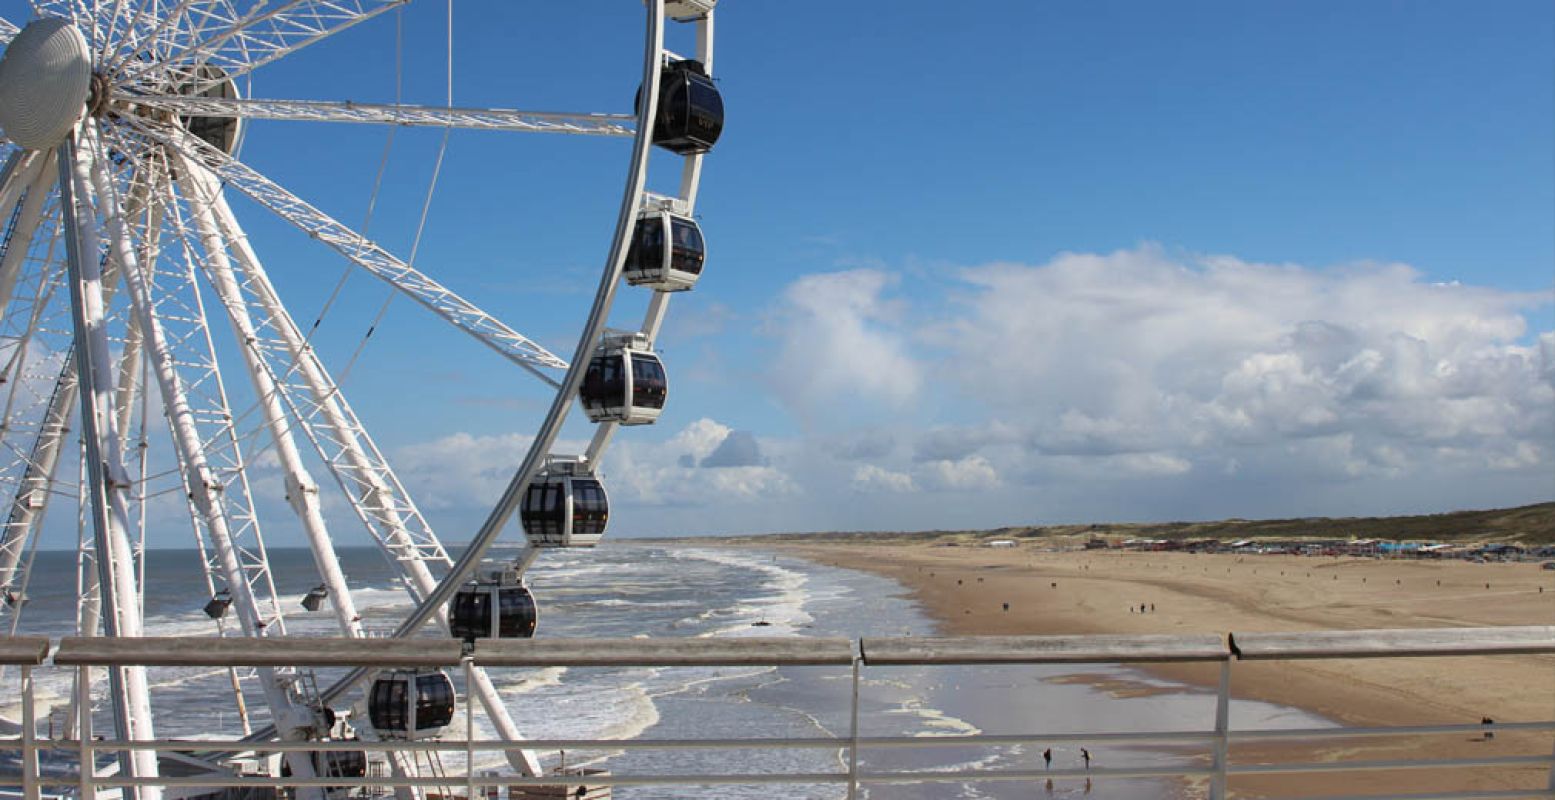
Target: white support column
[326, 396]
[1217, 785]
[19, 171]
[26, 226]
[32, 490]
[29, 737]
[107, 478]
[302, 491]
[200, 481]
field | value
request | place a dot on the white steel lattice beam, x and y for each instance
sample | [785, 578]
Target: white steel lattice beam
[241, 43]
[486, 119]
[205, 488]
[359, 250]
[327, 421]
[8, 31]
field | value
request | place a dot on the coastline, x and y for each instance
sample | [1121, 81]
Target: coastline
[964, 588]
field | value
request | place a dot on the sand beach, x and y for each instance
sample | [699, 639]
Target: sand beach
[1070, 591]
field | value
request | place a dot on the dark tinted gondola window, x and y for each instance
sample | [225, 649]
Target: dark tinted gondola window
[386, 706]
[604, 385]
[674, 101]
[518, 613]
[590, 510]
[647, 251]
[471, 615]
[707, 109]
[542, 512]
[434, 701]
[341, 764]
[688, 251]
[648, 383]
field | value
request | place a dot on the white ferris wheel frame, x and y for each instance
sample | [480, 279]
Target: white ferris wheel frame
[176, 202]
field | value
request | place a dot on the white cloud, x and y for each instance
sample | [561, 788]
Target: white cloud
[973, 473]
[841, 342]
[1133, 385]
[870, 478]
[1181, 358]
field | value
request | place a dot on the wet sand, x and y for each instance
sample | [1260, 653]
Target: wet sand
[1078, 592]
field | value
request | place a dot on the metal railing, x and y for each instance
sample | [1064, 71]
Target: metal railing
[82, 654]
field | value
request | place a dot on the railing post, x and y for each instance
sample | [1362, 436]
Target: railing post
[468, 662]
[88, 768]
[1217, 785]
[853, 737]
[1552, 778]
[29, 738]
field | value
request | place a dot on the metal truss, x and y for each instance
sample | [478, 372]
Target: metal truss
[358, 249]
[327, 421]
[239, 42]
[8, 31]
[484, 119]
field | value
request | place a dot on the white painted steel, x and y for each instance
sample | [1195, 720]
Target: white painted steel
[359, 250]
[135, 43]
[247, 42]
[484, 119]
[45, 75]
[302, 491]
[103, 453]
[685, 203]
[204, 487]
[381, 501]
[1166, 650]
[604, 297]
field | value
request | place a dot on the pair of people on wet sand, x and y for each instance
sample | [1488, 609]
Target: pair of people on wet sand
[1047, 757]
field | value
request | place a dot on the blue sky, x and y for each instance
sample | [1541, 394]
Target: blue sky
[1025, 263]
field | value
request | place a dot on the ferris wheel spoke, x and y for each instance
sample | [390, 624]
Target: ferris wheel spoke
[294, 377]
[489, 119]
[8, 31]
[360, 251]
[240, 568]
[240, 44]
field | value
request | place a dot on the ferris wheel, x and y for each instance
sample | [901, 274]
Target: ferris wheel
[122, 264]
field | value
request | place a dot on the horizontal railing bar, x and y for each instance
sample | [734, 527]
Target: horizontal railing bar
[1401, 730]
[1494, 794]
[816, 742]
[979, 775]
[1369, 766]
[1395, 642]
[1148, 648]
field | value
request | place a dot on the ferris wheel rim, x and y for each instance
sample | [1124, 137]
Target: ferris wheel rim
[632, 203]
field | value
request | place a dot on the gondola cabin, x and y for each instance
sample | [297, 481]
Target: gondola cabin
[666, 253]
[218, 132]
[565, 506]
[334, 764]
[496, 605]
[691, 111]
[410, 703]
[625, 382]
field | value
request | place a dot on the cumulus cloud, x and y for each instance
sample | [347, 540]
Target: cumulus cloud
[1171, 359]
[1138, 384]
[841, 342]
[870, 478]
[704, 464]
[738, 449]
[460, 470]
[973, 473]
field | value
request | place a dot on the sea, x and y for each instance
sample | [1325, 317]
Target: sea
[623, 589]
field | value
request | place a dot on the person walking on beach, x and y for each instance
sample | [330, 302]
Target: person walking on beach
[1086, 755]
[1047, 758]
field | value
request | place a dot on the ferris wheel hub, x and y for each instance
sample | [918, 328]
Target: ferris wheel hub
[45, 78]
